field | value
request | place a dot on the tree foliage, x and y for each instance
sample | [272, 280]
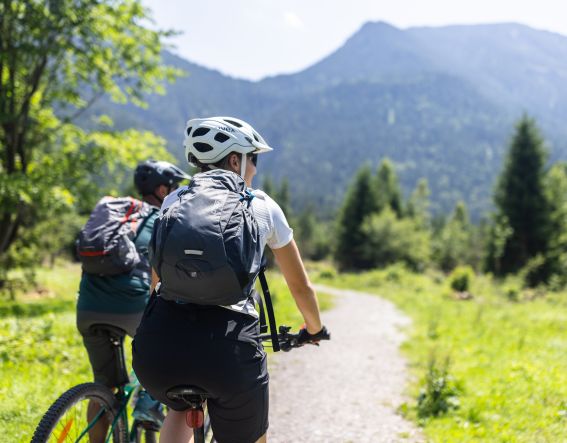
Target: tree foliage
[452, 245]
[314, 236]
[56, 58]
[268, 185]
[283, 197]
[388, 189]
[521, 201]
[374, 230]
[417, 207]
[389, 239]
[360, 202]
[556, 256]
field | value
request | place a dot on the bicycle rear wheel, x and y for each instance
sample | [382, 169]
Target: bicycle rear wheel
[208, 431]
[66, 419]
[141, 433]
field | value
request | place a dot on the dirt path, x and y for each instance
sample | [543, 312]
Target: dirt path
[348, 389]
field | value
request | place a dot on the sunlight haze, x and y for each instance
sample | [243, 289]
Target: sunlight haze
[256, 38]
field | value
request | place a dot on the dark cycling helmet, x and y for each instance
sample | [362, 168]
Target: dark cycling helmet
[152, 173]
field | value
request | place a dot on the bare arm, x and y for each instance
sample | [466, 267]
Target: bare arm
[291, 265]
[155, 280]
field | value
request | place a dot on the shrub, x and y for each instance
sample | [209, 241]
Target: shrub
[440, 393]
[512, 293]
[535, 272]
[389, 240]
[395, 273]
[452, 245]
[461, 278]
[327, 274]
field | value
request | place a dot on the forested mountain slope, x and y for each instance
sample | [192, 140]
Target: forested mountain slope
[440, 102]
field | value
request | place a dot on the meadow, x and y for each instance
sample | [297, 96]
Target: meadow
[42, 354]
[489, 365]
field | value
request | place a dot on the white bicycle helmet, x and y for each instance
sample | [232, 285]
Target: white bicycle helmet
[211, 139]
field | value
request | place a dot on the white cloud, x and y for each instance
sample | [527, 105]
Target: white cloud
[292, 20]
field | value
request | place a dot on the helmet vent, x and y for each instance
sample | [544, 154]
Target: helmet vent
[189, 130]
[202, 147]
[256, 137]
[200, 131]
[248, 139]
[232, 122]
[221, 138]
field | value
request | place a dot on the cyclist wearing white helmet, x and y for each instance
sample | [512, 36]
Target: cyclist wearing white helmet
[217, 347]
[210, 140]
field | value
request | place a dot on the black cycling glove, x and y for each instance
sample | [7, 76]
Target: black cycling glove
[306, 337]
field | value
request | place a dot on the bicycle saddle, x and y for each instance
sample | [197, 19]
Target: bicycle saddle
[187, 393]
[113, 331]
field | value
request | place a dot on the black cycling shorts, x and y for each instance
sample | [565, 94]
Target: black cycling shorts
[212, 348]
[102, 353]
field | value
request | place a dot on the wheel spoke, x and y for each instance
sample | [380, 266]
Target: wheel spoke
[65, 431]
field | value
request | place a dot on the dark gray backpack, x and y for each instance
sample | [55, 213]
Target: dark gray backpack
[205, 247]
[106, 243]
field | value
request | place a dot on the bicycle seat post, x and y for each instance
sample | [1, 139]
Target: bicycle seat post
[116, 337]
[118, 343]
[194, 398]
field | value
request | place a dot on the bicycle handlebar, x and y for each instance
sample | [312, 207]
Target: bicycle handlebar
[289, 340]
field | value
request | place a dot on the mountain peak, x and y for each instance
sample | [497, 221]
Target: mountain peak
[439, 102]
[378, 25]
[370, 31]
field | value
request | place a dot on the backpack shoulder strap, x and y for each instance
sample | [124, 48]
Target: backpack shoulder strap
[270, 309]
[141, 226]
[258, 299]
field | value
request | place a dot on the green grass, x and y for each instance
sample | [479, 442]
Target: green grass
[507, 358]
[285, 310]
[42, 354]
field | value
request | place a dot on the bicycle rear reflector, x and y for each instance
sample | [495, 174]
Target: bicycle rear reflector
[195, 418]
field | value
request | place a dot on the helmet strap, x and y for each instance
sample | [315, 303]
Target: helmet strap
[242, 165]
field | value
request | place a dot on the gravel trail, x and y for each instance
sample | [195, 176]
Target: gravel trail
[348, 389]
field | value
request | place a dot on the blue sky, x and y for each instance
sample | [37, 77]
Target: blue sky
[256, 38]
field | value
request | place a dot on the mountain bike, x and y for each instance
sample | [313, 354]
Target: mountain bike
[66, 419]
[195, 398]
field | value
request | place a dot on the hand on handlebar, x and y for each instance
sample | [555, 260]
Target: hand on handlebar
[305, 337]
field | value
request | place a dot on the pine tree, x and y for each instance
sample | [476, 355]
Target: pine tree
[556, 257]
[521, 201]
[460, 214]
[312, 235]
[388, 188]
[452, 244]
[359, 203]
[268, 186]
[305, 231]
[418, 204]
[283, 198]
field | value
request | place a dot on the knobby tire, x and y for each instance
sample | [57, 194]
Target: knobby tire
[47, 428]
[143, 435]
